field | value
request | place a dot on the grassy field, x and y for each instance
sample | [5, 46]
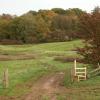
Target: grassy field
[28, 63]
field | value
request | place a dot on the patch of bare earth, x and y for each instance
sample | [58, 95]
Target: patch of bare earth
[17, 57]
[47, 86]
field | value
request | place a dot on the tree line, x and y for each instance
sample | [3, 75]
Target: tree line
[52, 25]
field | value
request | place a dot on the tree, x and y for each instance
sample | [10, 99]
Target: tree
[74, 12]
[22, 28]
[90, 29]
[42, 28]
[59, 11]
[4, 26]
[66, 26]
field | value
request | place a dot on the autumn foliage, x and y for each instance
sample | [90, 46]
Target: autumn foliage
[42, 26]
[90, 31]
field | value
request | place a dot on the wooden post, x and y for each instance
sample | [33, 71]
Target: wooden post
[75, 67]
[5, 78]
[98, 65]
[72, 75]
[85, 73]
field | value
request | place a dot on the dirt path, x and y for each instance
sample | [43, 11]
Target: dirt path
[49, 87]
[46, 87]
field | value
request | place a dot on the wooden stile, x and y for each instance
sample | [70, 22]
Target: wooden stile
[79, 73]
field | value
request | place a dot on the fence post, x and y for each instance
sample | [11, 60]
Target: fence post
[72, 74]
[85, 73]
[75, 67]
[6, 78]
[98, 65]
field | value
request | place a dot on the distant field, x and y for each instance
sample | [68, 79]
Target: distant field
[27, 63]
[58, 46]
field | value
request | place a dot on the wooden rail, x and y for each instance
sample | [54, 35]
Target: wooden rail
[94, 72]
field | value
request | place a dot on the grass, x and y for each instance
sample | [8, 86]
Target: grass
[47, 47]
[23, 73]
[88, 95]
[20, 72]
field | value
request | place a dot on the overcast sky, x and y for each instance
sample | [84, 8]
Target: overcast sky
[19, 7]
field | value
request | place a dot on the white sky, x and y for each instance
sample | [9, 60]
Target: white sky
[19, 7]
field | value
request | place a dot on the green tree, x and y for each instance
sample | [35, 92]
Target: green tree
[4, 28]
[22, 28]
[59, 11]
[66, 25]
[74, 12]
[42, 28]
